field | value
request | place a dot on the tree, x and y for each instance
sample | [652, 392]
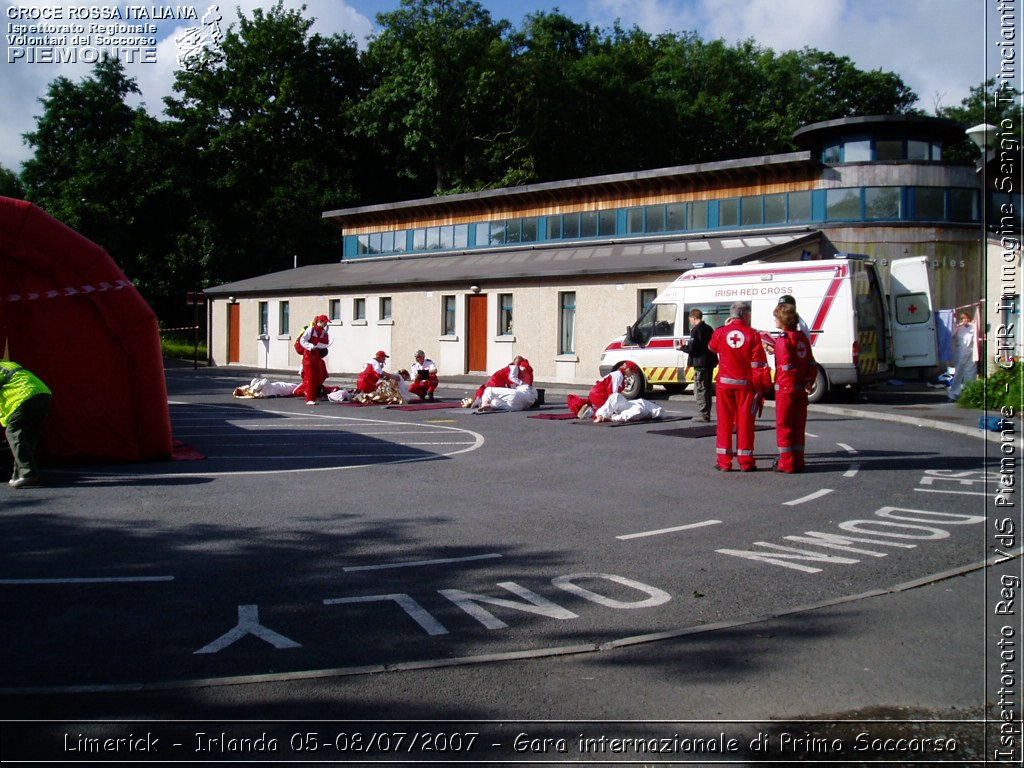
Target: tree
[986, 103]
[440, 98]
[265, 146]
[99, 167]
[10, 184]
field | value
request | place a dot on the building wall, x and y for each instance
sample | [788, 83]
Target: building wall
[605, 305]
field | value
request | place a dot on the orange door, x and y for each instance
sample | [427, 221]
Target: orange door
[234, 333]
[476, 333]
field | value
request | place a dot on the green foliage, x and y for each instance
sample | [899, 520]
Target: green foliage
[10, 184]
[986, 103]
[182, 347]
[445, 99]
[1000, 390]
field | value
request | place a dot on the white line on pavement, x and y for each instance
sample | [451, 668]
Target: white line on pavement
[809, 497]
[417, 563]
[626, 536]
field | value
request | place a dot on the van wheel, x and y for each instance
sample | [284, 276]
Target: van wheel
[820, 388]
[634, 386]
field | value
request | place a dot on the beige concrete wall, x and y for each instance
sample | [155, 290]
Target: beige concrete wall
[603, 309]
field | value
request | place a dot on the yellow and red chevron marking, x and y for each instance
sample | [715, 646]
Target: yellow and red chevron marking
[662, 375]
[868, 365]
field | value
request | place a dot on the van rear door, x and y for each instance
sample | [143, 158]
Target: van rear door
[914, 342]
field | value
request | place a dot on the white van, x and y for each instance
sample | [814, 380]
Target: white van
[858, 334]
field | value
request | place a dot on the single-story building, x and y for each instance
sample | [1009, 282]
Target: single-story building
[554, 271]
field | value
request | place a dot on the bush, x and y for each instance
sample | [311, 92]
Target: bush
[181, 347]
[1001, 389]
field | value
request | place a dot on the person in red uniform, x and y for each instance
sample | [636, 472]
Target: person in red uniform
[613, 383]
[314, 342]
[743, 378]
[424, 376]
[508, 377]
[374, 372]
[794, 376]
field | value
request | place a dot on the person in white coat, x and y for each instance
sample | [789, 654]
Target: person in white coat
[965, 356]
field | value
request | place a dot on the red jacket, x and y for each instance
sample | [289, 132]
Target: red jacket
[794, 362]
[742, 361]
[611, 384]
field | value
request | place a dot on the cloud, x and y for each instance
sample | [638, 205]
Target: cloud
[23, 83]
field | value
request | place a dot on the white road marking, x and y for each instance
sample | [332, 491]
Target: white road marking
[627, 536]
[960, 493]
[90, 580]
[418, 563]
[464, 441]
[809, 497]
[847, 448]
[852, 470]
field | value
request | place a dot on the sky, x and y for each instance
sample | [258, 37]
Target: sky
[938, 47]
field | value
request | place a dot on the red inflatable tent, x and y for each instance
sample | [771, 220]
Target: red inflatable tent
[69, 315]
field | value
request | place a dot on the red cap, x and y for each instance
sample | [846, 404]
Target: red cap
[381, 353]
[323, 319]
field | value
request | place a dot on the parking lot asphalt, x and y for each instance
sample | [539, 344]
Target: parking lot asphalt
[833, 691]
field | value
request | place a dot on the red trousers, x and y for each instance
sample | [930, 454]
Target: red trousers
[790, 426]
[423, 387]
[735, 409]
[314, 374]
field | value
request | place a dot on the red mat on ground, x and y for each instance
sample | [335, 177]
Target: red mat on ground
[182, 452]
[554, 416]
[423, 406]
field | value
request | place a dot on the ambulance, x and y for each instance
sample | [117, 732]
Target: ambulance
[859, 334]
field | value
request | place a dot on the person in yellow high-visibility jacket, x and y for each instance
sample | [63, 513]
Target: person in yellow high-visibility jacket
[24, 403]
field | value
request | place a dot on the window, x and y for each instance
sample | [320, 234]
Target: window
[929, 203]
[752, 210]
[385, 307]
[729, 212]
[918, 150]
[358, 309]
[963, 205]
[675, 217]
[448, 315]
[699, 215]
[283, 322]
[606, 222]
[588, 224]
[799, 206]
[645, 298]
[635, 220]
[264, 318]
[775, 209]
[842, 204]
[655, 218]
[658, 320]
[334, 309]
[888, 149]
[857, 151]
[504, 314]
[882, 202]
[567, 323]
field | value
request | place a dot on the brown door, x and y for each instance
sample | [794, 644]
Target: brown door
[234, 333]
[476, 333]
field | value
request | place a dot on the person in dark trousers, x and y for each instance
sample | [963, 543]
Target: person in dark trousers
[703, 362]
[24, 403]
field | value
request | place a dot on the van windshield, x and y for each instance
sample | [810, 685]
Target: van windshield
[658, 320]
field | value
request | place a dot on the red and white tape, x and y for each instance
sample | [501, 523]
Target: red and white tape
[61, 293]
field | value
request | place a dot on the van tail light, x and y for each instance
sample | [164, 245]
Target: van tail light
[856, 354]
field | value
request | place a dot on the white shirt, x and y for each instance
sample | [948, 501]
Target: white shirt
[426, 365]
